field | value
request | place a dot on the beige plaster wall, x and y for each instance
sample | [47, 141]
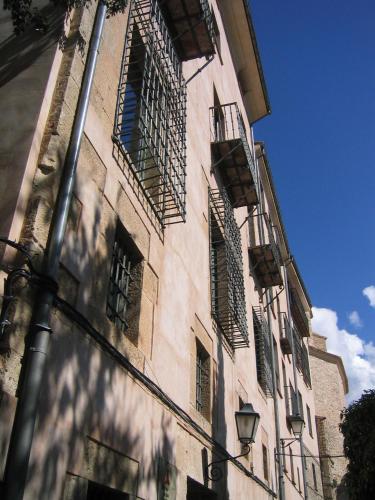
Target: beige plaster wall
[86, 393]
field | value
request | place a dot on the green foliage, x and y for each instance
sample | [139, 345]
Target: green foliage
[24, 13]
[358, 428]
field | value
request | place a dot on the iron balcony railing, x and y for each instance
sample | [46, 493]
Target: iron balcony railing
[232, 155]
[227, 284]
[305, 365]
[290, 400]
[286, 334]
[264, 253]
[299, 314]
[191, 25]
[301, 356]
[263, 351]
[150, 126]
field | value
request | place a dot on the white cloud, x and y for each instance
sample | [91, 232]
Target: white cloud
[369, 292]
[358, 356]
[355, 320]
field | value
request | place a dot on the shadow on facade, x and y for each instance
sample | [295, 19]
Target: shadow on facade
[219, 422]
[17, 53]
[87, 397]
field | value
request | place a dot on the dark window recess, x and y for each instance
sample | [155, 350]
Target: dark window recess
[291, 465]
[97, 491]
[314, 477]
[216, 33]
[309, 420]
[196, 491]
[300, 404]
[202, 381]
[227, 284]
[262, 351]
[301, 357]
[150, 126]
[265, 462]
[124, 291]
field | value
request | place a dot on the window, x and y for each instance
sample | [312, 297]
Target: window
[150, 126]
[286, 395]
[300, 404]
[97, 491]
[202, 381]
[293, 399]
[218, 119]
[309, 420]
[291, 465]
[216, 35]
[263, 355]
[125, 281]
[265, 462]
[227, 285]
[314, 477]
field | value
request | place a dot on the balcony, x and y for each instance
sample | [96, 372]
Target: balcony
[232, 155]
[286, 334]
[301, 357]
[305, 365]
[191, 27]
[263, 353]
[264, 254]
[300, 318]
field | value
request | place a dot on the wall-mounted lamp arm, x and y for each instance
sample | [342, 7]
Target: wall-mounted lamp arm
[214, 473]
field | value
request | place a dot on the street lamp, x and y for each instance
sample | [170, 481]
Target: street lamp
[247, 420]
[297, 423]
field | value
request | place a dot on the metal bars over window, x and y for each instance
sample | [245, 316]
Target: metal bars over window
[232, 155]
[150, 126]
[264, 252]
[302, 357]
[263, 352]
[227, 284]
[125, 280]
[202, 381]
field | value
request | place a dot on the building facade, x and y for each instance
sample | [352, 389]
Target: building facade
[330, 387]
[175, 299]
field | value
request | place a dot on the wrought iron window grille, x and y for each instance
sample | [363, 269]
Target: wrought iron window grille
[150, 123]
[301, 356]
[263, 352]
[286, 333]
[227, 284]
[299, 315]
[125, 279]
[264, 254]
[202, 382]
[232, 155]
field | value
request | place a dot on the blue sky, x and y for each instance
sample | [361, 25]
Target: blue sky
[319, 64]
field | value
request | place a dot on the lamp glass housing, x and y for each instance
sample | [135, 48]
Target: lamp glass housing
[297, 423]
[247, 421]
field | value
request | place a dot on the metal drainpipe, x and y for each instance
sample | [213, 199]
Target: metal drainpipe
[286, 286]
[39, 331]
[276, 407]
